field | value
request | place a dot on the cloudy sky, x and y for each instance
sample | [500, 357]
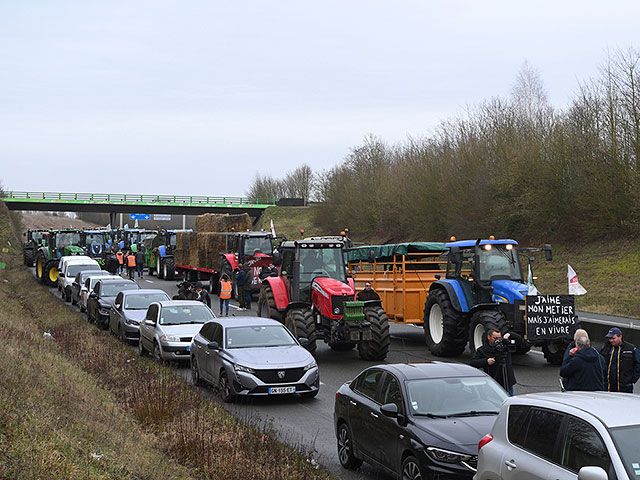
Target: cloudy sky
[197, 97]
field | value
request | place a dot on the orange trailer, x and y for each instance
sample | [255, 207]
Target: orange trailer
[400, 273]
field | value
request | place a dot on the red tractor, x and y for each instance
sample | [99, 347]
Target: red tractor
[314, 298]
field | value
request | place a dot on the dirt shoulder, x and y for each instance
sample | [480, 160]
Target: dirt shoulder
[39, 220]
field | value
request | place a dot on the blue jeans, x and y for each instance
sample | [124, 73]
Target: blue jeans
[247, 298]
[225, 302]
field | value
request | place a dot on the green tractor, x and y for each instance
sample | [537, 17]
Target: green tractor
[56, 244]
[158, 253]
[30, 247]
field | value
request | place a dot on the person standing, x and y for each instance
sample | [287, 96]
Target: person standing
[112, 265]
[131, 265]
[202, 295]
[584, 369]
[622, 361]
[495, 359]
[140, 262]
[367, 294]
[225, 293]
[241, 277]
[248, 283]
[120, 257]
[185, 292]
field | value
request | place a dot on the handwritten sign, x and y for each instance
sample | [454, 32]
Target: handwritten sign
[550, 316]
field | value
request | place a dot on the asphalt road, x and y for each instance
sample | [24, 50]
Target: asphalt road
[308, 424]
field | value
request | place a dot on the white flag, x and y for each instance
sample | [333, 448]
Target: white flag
[273, 229]
[574, 285]
[532, 288]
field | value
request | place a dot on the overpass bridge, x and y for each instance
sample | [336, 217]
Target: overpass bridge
[114, 203]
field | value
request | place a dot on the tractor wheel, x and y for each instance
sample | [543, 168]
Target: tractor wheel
[301, 324]
[267, 304]
[481, 322]
[169, 267]
[29, 257]
[378, 346]
[445, 330]
[50, 273]
[554, 352]
[40, 261]
[160, 269]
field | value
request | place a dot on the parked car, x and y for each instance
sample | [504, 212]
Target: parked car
[68, 267]
[564, 436]
[252, 356]
[78, 283]
[129, 309]
[89, 283]
[421, 420]
[102, 297]
[169, 327]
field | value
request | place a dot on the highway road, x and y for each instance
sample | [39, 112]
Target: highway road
[309, 423]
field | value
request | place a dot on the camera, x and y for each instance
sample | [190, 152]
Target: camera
[503, 345]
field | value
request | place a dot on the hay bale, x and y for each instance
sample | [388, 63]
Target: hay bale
[210, 247]
[215, 222]
[186, 243]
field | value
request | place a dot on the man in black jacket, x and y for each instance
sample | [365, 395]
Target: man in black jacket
[495, 359]
[622, 360]
[367, 294]
[202, 295]
[584, 369]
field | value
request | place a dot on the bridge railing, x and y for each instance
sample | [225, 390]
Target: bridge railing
[129, 198]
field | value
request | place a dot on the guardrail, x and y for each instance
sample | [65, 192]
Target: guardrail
[134, 199]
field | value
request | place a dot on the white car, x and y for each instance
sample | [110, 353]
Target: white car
[563, 436]
[87, 288]
[68, 267]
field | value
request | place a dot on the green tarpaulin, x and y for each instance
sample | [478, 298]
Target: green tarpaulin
[385, 251]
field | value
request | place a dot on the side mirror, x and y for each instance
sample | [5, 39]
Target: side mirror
[592, 473]
[213, 346]
[277, 259]
[438, 276]
[547, 252]
[389, 410]
[117, 306]
[304, 341]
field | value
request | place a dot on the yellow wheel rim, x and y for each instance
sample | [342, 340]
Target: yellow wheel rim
[53, 274]
[39, 268]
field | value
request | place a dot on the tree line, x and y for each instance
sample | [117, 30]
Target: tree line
[514, 167]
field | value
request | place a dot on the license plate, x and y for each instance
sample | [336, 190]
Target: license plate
[277, 390]
[188, 348]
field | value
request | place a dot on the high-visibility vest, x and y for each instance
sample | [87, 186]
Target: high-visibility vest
[120, 256]
[131, 260]
[225, 290]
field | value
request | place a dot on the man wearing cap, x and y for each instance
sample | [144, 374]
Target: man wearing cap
[622, 360]
[202, 295]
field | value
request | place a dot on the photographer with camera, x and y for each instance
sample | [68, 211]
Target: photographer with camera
[494, 358]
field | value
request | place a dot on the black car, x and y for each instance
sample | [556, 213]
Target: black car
[420, 420]
[103, 295]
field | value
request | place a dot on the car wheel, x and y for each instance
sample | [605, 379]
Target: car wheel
[195, 373]
[157, 353]
[141, 350]
[411, 469]
[82, 309]
[121, 336]
[225, 389]
[345, 449]
[73, 301]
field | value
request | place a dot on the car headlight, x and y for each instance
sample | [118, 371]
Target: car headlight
[129, 321]
[447, 456]
[310, 366]
[170, 338]
[242, 368]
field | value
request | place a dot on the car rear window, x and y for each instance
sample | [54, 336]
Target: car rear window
[112, 289]
[539, 432]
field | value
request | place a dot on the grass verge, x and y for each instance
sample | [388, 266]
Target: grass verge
[82, 405]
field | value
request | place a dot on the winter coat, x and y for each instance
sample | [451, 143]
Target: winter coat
[623, 360]
[365, 296]
[584, 371]
[504, 376]
[241, 277]
[139, 257]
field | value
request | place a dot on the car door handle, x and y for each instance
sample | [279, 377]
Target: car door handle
[353, 403]
[510, 464]
[207, 352]
[374, 415]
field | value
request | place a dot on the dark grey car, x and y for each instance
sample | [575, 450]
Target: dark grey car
[252, 356]
[129, 309]
[78, 283]
[103, 295]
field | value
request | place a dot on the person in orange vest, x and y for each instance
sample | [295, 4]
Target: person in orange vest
[131, 265]
[120, 257]
[225, 293]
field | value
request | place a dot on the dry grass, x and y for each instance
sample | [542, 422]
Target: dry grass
[289, 221]
[84, 406]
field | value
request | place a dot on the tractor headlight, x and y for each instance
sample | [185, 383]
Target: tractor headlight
[446, 456]
[336, 310]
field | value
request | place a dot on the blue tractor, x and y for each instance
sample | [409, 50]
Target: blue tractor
[484, 288]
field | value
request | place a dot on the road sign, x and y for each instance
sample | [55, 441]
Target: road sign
[162, 217]
[139, 216]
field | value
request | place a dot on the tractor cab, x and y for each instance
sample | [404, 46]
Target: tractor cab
[95, 242]
[67, 242]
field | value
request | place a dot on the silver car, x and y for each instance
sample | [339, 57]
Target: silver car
[78, 283]
[563, 436]
[252, 356]
[129, 309]
[87, 288]
[169, 327]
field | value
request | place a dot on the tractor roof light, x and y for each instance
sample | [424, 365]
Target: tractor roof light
[488, 247]
[452, 239]
[509, 246]
[491, 237]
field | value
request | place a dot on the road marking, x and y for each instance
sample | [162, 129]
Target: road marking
[322, 383]
[149, 281]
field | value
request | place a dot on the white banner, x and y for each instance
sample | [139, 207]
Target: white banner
[574, 285]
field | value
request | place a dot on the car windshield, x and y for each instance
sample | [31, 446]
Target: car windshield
[499, 263]
[253, 245]
[141, 301]
[444, 397]
[73, 270]
[112, 289]
[259, 336]
[626, 441]
[321, 262]
[172, 239]
[181, 314]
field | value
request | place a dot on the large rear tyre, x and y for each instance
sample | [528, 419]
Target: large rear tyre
[267, 304]
[378, 347]
[160, 269]
[29, 257]
[301, 324]
[50, 273]
[40, 261]
[481, 322]
[445, 330]
[169, 267]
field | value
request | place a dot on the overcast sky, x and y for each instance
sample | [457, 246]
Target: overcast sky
[197, 97]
